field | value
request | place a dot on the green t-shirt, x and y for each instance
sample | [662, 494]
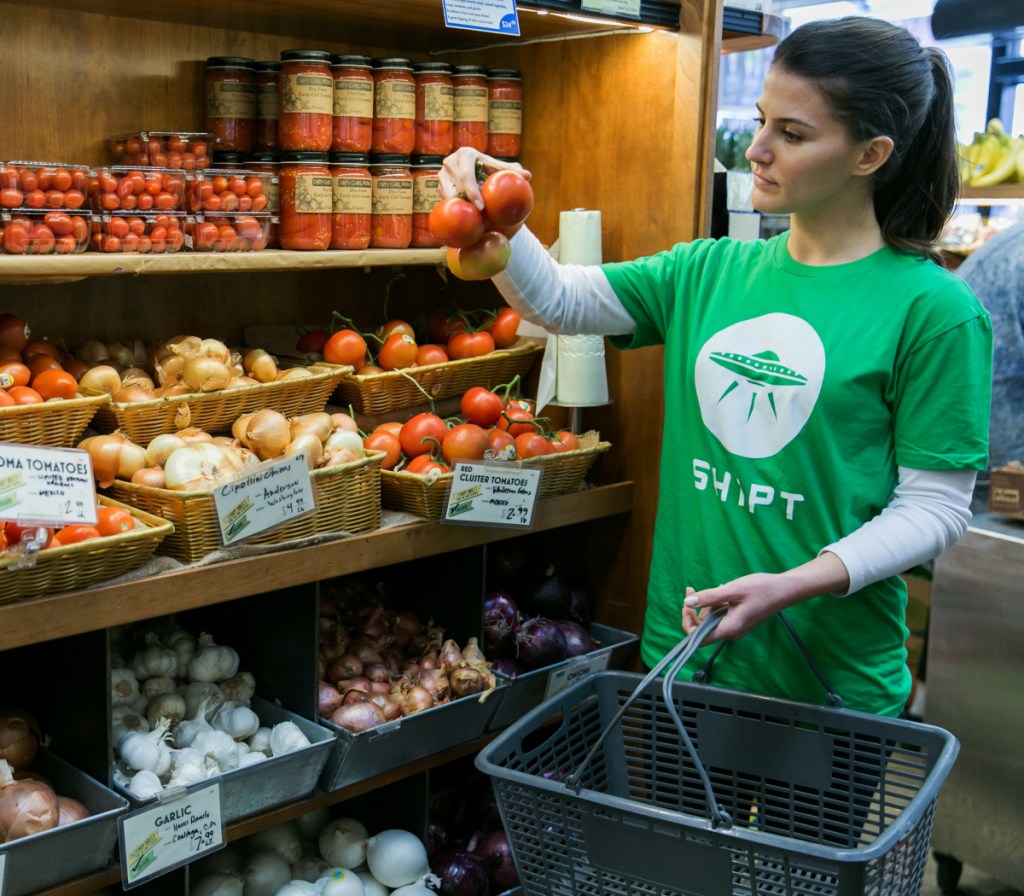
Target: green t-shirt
[791, 395]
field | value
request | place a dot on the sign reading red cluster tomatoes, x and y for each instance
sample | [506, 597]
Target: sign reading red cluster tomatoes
[477, 241]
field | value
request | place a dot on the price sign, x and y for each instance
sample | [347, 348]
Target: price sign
[493, 494]
[574, 670]
[492, 16]
[627, 9]
[3, 871]
[270, 496]
[175, 831]
[46, 486]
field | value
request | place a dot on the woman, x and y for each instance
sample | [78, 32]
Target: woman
[832, 384]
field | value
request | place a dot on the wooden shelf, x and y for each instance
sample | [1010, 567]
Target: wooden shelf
[772, 29]
[72, 613]
[1002, 193]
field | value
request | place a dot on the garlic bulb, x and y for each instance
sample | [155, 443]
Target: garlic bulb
[240, 688]
[124, 687]
[166, 706]
[220, 747]
[154, 660]
[251, 758]
[154, 687]
[211, 661]
[146, 751]
[145, 784]
[189, 729]
[238, 721]
[196, 692]
[184, 646]
[124, 719]
[286, 737]
[260, 741]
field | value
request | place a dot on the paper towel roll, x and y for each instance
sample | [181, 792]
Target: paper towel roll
[579, 236]
[581, 379]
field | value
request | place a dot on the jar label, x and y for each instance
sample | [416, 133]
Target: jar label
[308, 93]
[229, 99]
[394, 99]
[353, 99]
[313, 194]
[353, 195]
[505, 117]
[470, 104]
[266, 101]
[272, 190]
[438, 102]
[426, 194]
[392, 197]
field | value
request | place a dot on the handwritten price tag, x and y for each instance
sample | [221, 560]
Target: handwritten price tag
[171, 833]
[575, 670]
[629, 9]
[493, 494]
[270, 496]
[492, 16]
[46, 486]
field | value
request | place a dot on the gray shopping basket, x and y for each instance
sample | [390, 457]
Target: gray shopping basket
[600, 794]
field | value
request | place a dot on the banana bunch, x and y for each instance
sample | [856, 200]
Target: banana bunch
[993, 157]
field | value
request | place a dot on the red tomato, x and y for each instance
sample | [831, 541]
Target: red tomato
[18, 374]
[508, 198]
[16, 533]
[5, 399]
[488, 256]
[40, 362]
[464, 441]
[504, 328]
[25, 395]
[59, 222]
[55, 384]
[399, 351]
[501, 443]
[481, 406]
[74, 534]
[419, 434]
[440, 326]
[455, 222]
[396, 326]
[516, 421]
[424, 464]
[370, 370]
[568, 438]
[430, 354]
[470, 345]
[532, 444]
[392, 426]
[40, 347]
[16, 238]
[114, 521]
[382, 440]
[312, 342]
[14, 331]
[345, 347]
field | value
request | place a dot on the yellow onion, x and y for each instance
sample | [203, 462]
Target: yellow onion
[136, 376]
[295, 373]
[114, 456]
[92, 350]
[100, 380]
[70, 810]
[344, 421]
[237, 382]
[341, 456]
[343, 438]
[260, 365]
[192, 434]
[172, 389]
[20, 735]
[239, 427]
[160, 447]
[307, 443]
[199, 467]
[318, 423]
[151, 476]
[205, 373]
[129, 394]
[214, 348]
[120, 355]
[139, 352]
[267, 434]
[26, 807]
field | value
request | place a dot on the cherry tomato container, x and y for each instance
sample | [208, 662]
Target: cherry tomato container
[353, 200]
[190, 150]
[352, 121]
[229, 84]
[237, 232]
[469, 107]
[228, 188]
[33, 231]
[268, 73]
[394, 107]
[307, 201]
[130, 188]
[266, 165]
[305, 101]
[153, 233]
[426, 193]
[504, 112]
[43, 185]
[391, 224]
[435, 108]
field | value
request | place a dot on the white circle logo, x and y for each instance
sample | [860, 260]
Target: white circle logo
[757, 382]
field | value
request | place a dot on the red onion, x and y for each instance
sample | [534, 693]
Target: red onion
[540, 642]
[577, 638]
[493, 849]
[377, 672]
[549, 597]
[328, 699]
[407, 626]
[367, 652]
[461, 874]
[501, 621]
[70, 810]
[358, 717]
[26, 807]
[346, 666]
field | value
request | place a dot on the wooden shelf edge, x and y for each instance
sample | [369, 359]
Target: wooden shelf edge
[996, 194]
[61, 615]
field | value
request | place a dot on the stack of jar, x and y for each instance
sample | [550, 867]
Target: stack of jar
[359, 141]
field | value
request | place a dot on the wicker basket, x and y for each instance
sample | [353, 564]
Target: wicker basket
[424, 495]
[54, 424]
[347, 500]
[75, 566]
[379, 393]
[142, 421]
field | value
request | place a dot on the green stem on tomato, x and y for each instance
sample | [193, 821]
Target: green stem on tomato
[337, 318]
[504, 389]
[425, 393]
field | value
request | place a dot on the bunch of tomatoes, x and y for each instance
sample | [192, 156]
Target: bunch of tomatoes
[493, 423]
[477, 241]
[31, 370]
[110, 520]
[396, 345]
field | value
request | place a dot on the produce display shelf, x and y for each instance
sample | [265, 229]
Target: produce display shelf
[995, 195]
[103, 606]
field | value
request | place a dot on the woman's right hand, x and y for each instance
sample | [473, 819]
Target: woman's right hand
[459, 173]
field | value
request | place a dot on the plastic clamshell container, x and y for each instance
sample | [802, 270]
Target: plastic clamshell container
[43, 860]
[530, 689]
[33, 231]
[281, 779]
[237, 232]
[132, 188]
[229, 190]
[153, 233]
[356, 757]
[189, 150]
[43, 185]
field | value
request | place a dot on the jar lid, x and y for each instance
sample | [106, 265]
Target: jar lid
[507, 73]
[427, 161]
[303, 156]
[350, 60]
[227, 157]
[389, 158]
[230, 62]
[349, 158]
[267, 65]
[443, 67]
[392, 62]
[467, 70]
[310, 55]
[265, 158]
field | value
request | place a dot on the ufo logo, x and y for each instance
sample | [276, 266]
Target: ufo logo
[749, 399]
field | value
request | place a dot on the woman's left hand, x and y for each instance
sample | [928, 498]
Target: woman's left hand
[749, 601]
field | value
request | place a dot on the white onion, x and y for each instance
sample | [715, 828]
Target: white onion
[264, 872]
[372, 886]
[218, 883]
[313, 822]
[342, 882]
[282, 838]
[396, 857]
[342, 843]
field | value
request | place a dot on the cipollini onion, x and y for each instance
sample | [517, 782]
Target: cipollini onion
[100, 380]
[132, 394]
[295, 373]
[214, 348]
[161, 446]
[308, 445]
[260, 365]
[268, 434]
[153, 477]
[114, 456]
[26, 807]
[239, 427]
[205, 374]
[194, 434]
[199, 467]
[92, 350]
[318, 422]
[344, 421]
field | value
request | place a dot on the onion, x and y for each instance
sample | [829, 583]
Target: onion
[493, 849]
[239, 427]
[344, 667]
[267, 434]
[309, 444]
[92, 350]
[549, 597]
[193, 434]
[577, 638]
[114, 456]
[120, 355]
[344, 421]
[294, 373]
[540, 642]
[260, 365]
[391, 708]
[283, 838]
[416, 699]
[70, 810]
[328, 699]
[319, 423]
[312, 823]
[136, 376]
[580, 602]
[407, 626]
[343, 438]
[160, 447]
[214, 348]
[131, 394]
[357, 717]
[101, 380]
[396, 857]
[461, 874]
[19, 738]
[217, 883]
[26, 807]
[199, 467]
[205, 374]
[342, 843]
[264, 873]
[149, 476]
[501, 622]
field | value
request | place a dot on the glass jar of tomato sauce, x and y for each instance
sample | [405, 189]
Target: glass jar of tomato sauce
[469, 85]
[426, 193]
[230, 88]
[353, 200]
[266, 163]
[504, 112]
[391, 223]
[306, 201]
[353, 104]
[435, 97]
[305, 101]
[394, 107]
[267, 74]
